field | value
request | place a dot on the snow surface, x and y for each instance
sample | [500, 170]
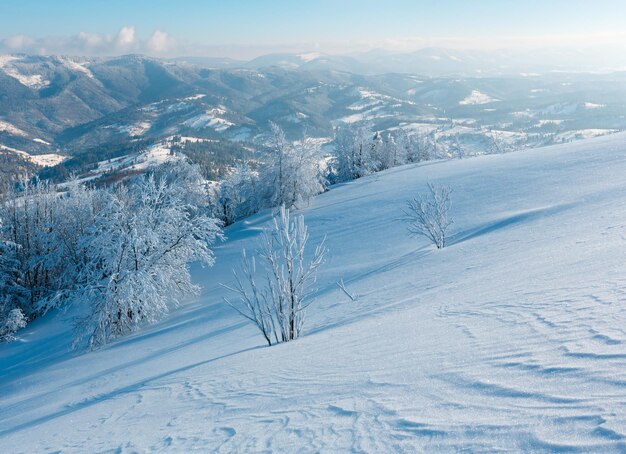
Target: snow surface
[13, 130]
[43, 160]
[513, 338]
[137, 129]
[81, 67]
[35, 81]
[210, 119]
[477, 97]
[591, 105]
[48, 159]
[309, 56]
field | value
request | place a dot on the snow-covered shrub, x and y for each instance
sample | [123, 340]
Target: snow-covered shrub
[14, 321]
[427, 215]
[278, 308]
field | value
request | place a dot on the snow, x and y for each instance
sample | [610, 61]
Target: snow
[591, 105]
[549, 122]
[296, 117]
[43, 160]
[48, 159]
[24, 154]
[8, 128]
[41, 141]
[195, 139]
[35, 81]
[137, 129]
[6, 59]
[477, 97]
[584, 134]
[210, 119]
[78, 67]
[310, 56]
[194, 97]
[510, 339]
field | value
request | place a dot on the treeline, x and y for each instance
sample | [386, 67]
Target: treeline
[293, 172]
[214, 157]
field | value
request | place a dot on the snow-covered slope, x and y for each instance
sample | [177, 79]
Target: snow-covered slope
[512, 338]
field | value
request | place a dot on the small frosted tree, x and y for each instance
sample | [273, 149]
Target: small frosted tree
[236, 196]
[13, 296]
[13, 322]
[278, 308]
[291, 174]
[427, 214]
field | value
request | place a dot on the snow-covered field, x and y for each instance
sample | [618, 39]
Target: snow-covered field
[477, 97]
[513, 338]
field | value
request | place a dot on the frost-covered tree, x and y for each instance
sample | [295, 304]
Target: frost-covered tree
[31, 216]
[46, 224]
[291, 175]
[497, 144]
[456, 148]
[278, 308]
[11, 323]
[138, 255]
[427, 214]
[237, 195]
[355, 157]
[185, 178]
[13, 296]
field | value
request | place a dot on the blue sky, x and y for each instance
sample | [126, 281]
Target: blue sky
[246, 28]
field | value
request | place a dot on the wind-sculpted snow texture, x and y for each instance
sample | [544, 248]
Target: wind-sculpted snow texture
[512, 338]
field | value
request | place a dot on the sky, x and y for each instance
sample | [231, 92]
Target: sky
[246, 28]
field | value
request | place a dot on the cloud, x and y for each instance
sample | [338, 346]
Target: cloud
[125, 39]
[160, 42]
[92, 44]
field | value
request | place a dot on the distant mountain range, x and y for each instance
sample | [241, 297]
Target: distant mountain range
[432, 62]
[54, 107]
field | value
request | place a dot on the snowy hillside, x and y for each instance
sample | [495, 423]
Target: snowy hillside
[511, 338]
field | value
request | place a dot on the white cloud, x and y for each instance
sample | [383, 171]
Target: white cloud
[125, 39]
[18, 42]
[160, 42]
[92, 44]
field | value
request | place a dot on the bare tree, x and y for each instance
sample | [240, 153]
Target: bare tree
[278, 309]
[427, 215]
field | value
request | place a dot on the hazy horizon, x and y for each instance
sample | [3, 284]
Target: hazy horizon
[248, 29]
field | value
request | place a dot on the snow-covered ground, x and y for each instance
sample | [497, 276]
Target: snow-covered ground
[513, 338]
[13, 130]
[43, 160]
[210, 119]
[477, 97]
[35, 81]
